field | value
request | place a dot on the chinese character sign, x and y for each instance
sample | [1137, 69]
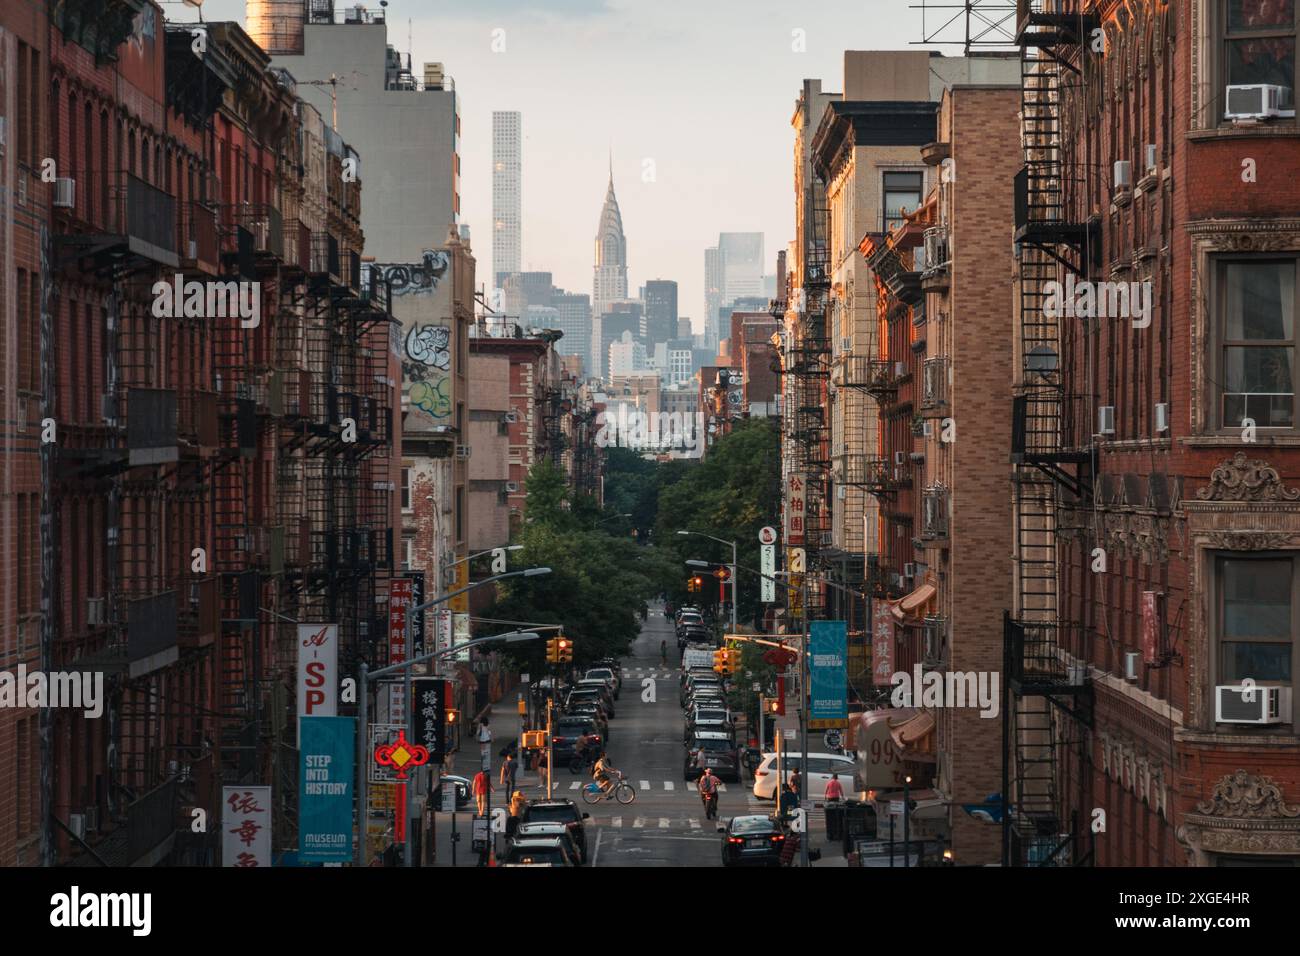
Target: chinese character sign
[325, 768]
[401, 593]
[431, 716]
[318, 670]
[461, 635]
[246, 826]
[882, 643]
[794, 509]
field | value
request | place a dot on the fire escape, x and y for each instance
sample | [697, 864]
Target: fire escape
[1049, 709]
[809, 367]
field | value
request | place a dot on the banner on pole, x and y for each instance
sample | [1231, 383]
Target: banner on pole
[326, 747]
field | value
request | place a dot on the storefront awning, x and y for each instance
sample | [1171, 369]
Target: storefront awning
[914, 606]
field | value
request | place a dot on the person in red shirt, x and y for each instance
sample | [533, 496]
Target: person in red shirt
[482, 786]
[834, 789]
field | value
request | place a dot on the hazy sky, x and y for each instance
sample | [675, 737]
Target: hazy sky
[704, 90]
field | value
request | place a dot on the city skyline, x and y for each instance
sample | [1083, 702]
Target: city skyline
[656, 122]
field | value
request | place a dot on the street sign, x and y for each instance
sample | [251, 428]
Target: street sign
[480, 834]
[767, 583]
[430, 694]
[789, 733]
[895, 806]
[523, 678]
[448, 798]
[767, 535]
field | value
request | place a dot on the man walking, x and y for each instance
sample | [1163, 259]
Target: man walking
[509, 769]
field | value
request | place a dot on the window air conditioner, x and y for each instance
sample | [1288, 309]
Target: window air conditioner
[909, 570]
[1252, 705]
[1106, 420]
[1259, 101]
[94, 612]
[1132, 661]
[927, 429]
[1152, 158]
[1123, 174]
[900, 369]
[512, 487]
[77, 824]
[1162, 417]
[65, 192]
[899, 458]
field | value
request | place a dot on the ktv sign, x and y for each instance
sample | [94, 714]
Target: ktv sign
[318, 670]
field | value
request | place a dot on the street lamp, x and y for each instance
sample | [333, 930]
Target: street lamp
[405, 667]
[734, 593]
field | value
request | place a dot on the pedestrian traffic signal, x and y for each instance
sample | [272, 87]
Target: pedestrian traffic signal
[776, 707]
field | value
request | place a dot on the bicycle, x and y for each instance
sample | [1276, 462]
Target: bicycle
[620, 790]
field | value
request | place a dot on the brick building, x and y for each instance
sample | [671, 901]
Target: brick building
[1157, 525]
[218, 474]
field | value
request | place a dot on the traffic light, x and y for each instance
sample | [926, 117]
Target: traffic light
[697, 583]
[733, 660]
[553, 651]
[564, 650]
[720, 661]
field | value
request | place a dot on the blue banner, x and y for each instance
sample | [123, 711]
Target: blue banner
[828, 678]
[326, 765]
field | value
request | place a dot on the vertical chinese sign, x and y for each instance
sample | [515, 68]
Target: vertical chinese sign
[882, 643]
[318, 670]
[1150, 629]
[246, 826]
[401, 593]
[325, 771]
[431, 716]
[794, 509]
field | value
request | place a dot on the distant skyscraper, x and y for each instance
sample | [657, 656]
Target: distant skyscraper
[611, 255]
[712, 293]
[660, 312]
[732, 270]
[574, 317]
[507, 207]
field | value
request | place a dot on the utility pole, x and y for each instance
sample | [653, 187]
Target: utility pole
[550, 750]
[803, 722]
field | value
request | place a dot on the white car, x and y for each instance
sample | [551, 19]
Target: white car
[819, 770]
[607, 675]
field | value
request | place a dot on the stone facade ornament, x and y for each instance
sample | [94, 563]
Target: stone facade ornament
[1246, 796]
[1246, 479]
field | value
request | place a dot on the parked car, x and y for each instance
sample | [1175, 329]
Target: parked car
[707, 696]
[600, 685]
[538, 851]
[818, 771]
[709, 748]
[537, 831]
[597, 694]
[703, 717]
[592, 710]
[606, 674]
[565, 733]
[562, 811]
[752, 839]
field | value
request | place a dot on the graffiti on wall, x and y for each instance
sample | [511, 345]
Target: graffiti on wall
[426, 367]
[417, 278]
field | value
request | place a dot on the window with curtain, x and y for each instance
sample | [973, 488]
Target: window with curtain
[1257, 306]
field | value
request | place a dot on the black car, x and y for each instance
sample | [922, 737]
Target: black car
[752, 840]
[714, 750]
[548, 831]
[598, 694]
[538, 851]
[565, 733]
[563, 811]
[591, 710]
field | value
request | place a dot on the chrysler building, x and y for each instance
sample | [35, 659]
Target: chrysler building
[611, 255]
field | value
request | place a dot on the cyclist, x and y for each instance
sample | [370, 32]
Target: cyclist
[603, 771]
[708, 787]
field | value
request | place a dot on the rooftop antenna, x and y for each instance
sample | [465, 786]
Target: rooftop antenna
[971, 24]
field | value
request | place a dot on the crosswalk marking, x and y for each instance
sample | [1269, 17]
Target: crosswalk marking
[669, 785]
[690, 785]
[616, 821]
[694, 822]
[645, 784]
[638, 823]
[664, 823]
[575, 785]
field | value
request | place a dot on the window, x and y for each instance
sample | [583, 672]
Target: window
[408, 552]
[902, 192]
[1259, 43]
[1257, 616]
[406, 489]
[1257, 302]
